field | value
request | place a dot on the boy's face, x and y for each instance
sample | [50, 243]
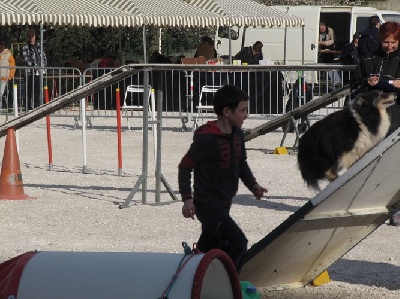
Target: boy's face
[238, 116]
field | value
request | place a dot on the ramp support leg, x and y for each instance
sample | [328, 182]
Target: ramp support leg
[321, 279]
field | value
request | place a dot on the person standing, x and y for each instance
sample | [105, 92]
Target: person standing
[217, 156]
[6, 68]
[369, 41]
[32, 56]
[350, 56]
[206, 48]
[381, 69]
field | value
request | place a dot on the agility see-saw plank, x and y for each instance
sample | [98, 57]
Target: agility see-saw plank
[70, 97]
[297, 113]
[329, 225]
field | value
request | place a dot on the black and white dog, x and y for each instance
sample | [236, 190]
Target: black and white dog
[342, 137]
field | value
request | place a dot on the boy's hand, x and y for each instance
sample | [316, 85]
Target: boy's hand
[258, 191]
[188, 209]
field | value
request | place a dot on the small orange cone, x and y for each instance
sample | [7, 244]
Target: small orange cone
[11, 186]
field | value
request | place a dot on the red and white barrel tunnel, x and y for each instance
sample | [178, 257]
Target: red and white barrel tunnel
[63, 275]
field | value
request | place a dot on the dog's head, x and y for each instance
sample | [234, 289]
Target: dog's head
[377, 98]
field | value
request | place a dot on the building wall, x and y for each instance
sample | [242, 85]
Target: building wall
[386, 5]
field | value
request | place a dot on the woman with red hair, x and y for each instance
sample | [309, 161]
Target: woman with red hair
[381, 70]
[382, 67]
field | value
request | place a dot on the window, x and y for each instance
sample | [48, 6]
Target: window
[391, 17]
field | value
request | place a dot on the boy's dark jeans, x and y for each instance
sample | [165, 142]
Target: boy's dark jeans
[220, 231]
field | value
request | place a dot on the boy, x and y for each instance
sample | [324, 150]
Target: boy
[218, 158]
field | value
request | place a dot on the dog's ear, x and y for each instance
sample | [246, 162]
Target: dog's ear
[375, 97]
[371, 97]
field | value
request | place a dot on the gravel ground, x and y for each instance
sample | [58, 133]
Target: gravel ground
[74, 211]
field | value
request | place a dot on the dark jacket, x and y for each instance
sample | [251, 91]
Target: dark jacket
[218, 161]
[349, 54]
[31, 54]
[246, 55]
[369, 41]
[386, 65]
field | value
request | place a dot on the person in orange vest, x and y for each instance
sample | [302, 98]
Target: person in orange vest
[7, 71]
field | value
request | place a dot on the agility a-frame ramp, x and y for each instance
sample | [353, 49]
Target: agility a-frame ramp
[329, 225]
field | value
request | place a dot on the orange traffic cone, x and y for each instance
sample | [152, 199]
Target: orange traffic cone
[11, 186]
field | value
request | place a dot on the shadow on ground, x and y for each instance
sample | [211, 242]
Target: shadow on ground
[366, 273]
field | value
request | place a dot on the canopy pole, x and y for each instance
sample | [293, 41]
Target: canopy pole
[302, 44]
[160, 39]
[144, 45]
[121, 53]
[41, 64]
[285, 47]
[230, 44]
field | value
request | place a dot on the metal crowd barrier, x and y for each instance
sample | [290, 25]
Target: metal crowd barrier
[273, 90]
[28, 84]
[269, 88]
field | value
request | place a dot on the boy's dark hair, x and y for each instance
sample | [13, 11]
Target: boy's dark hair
[228, 96]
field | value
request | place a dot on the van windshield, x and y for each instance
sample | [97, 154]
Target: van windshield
[391, 17]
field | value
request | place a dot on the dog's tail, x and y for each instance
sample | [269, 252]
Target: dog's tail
[313, 183]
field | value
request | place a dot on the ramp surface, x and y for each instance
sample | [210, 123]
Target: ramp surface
[329, 225]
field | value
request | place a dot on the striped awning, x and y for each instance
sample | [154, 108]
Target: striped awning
[131, 13]
[178, 13]
[67, 12]
[103, 13]
[249, 13]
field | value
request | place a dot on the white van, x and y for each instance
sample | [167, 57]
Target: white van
[344, 20]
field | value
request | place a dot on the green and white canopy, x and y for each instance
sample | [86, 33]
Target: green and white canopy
[249, 13]
[131, 13]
